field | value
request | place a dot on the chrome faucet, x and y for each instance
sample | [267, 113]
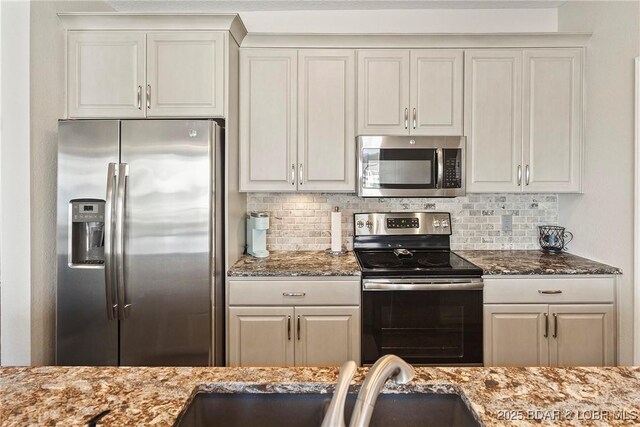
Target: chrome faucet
[335, 414]
[387, 367]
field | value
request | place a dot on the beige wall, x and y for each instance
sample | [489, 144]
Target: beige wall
[47, 106]
[602, 218]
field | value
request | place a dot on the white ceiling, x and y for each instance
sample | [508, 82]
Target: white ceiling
[276, 5]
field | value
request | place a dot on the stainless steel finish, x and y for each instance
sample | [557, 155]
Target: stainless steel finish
[123, 173]
[376, 223]
[148, 97]
[259, 214]
[414, 118]
[167, 242]
[527, 175]
[555, 325]
[387, 367]
[139, 97]
[300, 174]
[293, 174]
[298, 327]
[84, 333]
[293, 294]
[410, 142]
[422, 284]
[109, 230]
[289, 328]
[519, 174]
[439, 183]
[546, 325]
[334, 417]
[551, 292]
[406, 118]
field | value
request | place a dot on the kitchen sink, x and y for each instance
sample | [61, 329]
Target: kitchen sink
[307, 409]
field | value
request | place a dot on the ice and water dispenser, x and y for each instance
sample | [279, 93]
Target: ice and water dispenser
[86, 243]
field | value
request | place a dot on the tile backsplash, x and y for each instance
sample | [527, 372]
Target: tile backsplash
[301, 221]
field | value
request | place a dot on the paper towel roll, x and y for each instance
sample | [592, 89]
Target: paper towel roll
[336, 231]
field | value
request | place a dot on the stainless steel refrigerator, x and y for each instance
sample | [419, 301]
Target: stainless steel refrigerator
[140, 243]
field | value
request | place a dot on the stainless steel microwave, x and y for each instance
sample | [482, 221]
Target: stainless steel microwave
[411, 166]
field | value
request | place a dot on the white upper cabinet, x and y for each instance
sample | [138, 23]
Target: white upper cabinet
[268, 119]
[410, 92]
[297, 120]
[383, 92]
[326, 120]
[185, 74]
[493, 120]
[106, 75]
[552, 126]
[435, 94]
[523, 120]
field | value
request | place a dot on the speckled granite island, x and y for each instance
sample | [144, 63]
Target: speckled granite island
[534, 262]
[137, 396]
[296, 263]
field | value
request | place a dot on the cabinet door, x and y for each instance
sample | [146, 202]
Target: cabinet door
[261, 336]
[105, 72]
[268, 100]
[514, 335]
[185, 74]
[327, 336]
[436, 92]
[552, 120]
[383, 92]
[493, 120]
[326, 120]
[581, 335]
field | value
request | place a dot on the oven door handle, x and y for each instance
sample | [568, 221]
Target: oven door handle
[385, 285]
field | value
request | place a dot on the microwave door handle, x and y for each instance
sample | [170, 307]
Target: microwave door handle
[109, 217]
[440, 159]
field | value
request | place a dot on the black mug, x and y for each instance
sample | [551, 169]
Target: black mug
[552, 238]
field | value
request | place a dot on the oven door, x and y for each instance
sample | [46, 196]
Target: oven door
[436, 322]
[394, 166]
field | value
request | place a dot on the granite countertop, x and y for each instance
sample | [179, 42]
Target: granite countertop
[296, 263]
[534, 262]
[156, 396]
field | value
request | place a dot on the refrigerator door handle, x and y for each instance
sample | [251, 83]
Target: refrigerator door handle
[123, 174]
[112, 179]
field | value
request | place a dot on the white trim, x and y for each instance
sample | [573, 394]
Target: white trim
[636, 243]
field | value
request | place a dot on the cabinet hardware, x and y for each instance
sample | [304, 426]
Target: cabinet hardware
[519, 175]
[551, 292]
[546, 325]
[289, 328]
[300, 175]
[293, 294]
[293, 174]
[406, 118]
[298, 327]
[555, 325]
[414, 118]
[527, 174]
[139, 97]
[148, 97]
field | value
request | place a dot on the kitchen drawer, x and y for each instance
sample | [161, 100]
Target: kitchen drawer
[528, 290]
[283, 291]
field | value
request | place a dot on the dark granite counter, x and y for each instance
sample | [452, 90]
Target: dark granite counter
[143, 396]
[296, 263]
[534, 262]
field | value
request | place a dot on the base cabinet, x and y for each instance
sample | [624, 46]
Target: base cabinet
[549, 335]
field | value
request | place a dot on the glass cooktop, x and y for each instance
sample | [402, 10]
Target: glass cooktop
[409, 262]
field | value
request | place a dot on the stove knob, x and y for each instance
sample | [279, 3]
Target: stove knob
[369, 224]
[360, 223]
[445, 224]
[436, 223]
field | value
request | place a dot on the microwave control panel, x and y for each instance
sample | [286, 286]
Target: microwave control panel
[452, 174]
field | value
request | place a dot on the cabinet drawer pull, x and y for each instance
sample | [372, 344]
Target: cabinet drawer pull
[546, 325]
[551, 292]
[293, 174]
[289, 328]
[139, 97]
[300, 174]
[527, 174]
[519, 175]
[406, 118]
[298, 327]
[148, 97]
[293, 294]
[414, 118]
[555, 325]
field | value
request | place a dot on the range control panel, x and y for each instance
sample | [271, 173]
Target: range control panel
[398, 223]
